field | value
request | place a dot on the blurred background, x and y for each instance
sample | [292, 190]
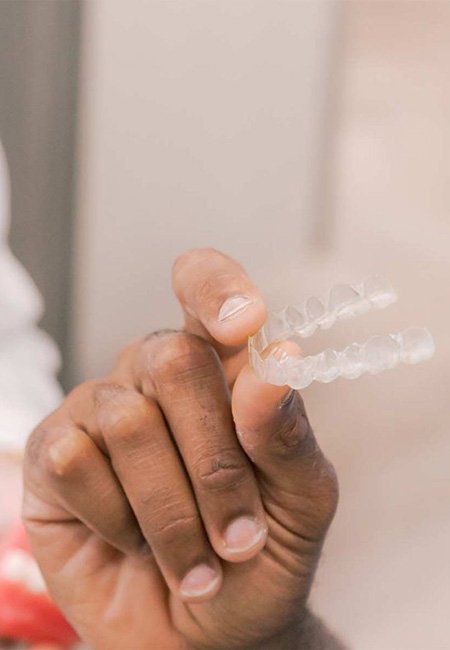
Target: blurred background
[309, 139]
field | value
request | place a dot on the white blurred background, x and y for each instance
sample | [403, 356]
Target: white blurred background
[202, 123]
[311, 140]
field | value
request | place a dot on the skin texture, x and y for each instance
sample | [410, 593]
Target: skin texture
[135, 479]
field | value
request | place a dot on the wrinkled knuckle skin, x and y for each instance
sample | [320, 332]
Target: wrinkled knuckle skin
[63, 467]
[106, 393]
[79, 404]
[39, 455]
[110, 396]
[125, 417]
[124, 424]
[223, 472]
[176, 356]
[169, 528]
[293, 437]
[35, 447]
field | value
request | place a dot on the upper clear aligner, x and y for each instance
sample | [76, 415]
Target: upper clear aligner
[379, 353]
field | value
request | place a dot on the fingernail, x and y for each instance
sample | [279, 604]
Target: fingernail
[199, 581]
[242, 534]
[234, 306]
[287, 399]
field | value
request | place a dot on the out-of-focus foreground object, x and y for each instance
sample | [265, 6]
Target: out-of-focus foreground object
[29, 360]
[26, 611]
[39, 43]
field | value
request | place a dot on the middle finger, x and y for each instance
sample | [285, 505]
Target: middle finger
[184, 374]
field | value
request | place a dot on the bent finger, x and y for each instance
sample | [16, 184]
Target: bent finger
[80, 485]
[151, 473]
[218, 298]
[190, 387]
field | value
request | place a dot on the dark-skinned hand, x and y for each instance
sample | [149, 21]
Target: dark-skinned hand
[180, 502]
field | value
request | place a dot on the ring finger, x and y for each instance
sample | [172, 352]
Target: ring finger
[148, 466]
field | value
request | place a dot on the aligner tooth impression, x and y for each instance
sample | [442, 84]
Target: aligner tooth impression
[380, 352]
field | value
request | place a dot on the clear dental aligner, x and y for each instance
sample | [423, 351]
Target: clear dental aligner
[343, 301]
[379, 353]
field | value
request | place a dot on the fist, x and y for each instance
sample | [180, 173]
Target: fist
[180, 502]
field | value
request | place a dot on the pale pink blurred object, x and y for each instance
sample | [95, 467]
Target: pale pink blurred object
[10, 492]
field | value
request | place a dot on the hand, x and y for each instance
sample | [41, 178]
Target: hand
[180, 502]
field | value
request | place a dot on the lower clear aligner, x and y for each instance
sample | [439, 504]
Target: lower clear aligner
[379, 353]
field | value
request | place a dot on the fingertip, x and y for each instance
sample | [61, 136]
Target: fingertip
[200, 584]
[254, 400]
[244, 538]
[215, 291]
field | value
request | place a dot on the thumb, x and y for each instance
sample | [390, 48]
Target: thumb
[298, 485]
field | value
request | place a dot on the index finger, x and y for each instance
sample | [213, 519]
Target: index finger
[218, 298]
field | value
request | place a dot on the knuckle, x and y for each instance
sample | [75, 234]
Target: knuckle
[63, 454]
[105, 393]
[35, 445]
[293, 435]
[123, 422]
[66, 454]
[168, 526]
[176, 355]
[290, 438]
[224, 471]
[167, 516]
[120, 411]
[81, 403]
[83, 391]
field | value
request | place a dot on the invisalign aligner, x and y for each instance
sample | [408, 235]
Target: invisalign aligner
[379, 353]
